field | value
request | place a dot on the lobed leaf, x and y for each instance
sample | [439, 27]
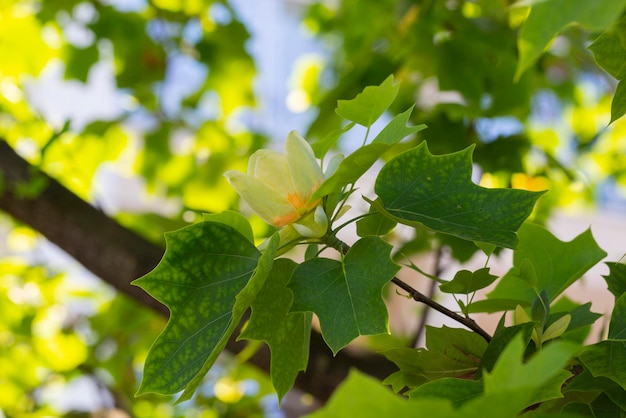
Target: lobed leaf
[287, 334]
[466, 282]
[370, 104]
[547, 18]
[417, 187]
[346, 294]
[204, 268]
[608, 359]
[616, 280]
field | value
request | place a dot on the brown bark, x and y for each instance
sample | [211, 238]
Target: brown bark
[118, 256]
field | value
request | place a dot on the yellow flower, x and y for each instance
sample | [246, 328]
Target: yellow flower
[278, 187]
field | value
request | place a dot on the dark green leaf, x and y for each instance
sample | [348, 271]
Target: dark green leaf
[501, 339]
[466, 281]
[287, 334]
[581, 317]
[617, 327]
[346, 294]
[540, 308]
[616, 280]
[604, 407]
[618, 105]
[204, 267]
[609, 49]
[374, 224]
[370, 104]
[417, 187]
[234, 220]
[608, 359]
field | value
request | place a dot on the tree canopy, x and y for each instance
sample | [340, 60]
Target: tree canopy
[437, 132]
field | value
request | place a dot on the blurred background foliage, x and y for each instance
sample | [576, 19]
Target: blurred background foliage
[138, 107]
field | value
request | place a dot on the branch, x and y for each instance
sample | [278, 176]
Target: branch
[416, 295]
[118, 256]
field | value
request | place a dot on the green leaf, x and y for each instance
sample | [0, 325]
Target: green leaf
[363, 396]
[616, 280]
[397, 129]
[557, 264]
[458, 391]
[286, 334]
[370, 104]
[539, 379]
[604, 407]
[351, 168]
[321, 147]
[500, 340]
[609, 49]
[374, 224]
[618, 105]
[581, 316]
[204, 267]
[232, 219]
[617, 327]
[586, 382]
[466, 281]
[361, 160]
[346, 294]
[608, 359]
[450, 352]
[548, 18]
[243, 300]
[417, 187]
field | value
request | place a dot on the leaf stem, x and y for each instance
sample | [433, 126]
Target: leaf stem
[332, 241]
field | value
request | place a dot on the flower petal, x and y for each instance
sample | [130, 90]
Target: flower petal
[304, 168]
[266, 202]
[271, 167]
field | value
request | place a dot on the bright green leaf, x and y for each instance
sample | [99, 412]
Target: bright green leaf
[557, 328]
[557, 264]
[539, 379]
[321, 147]
[417, 187]
[370, 104]
[457, 391]
[397, 129]
[466, 281]
[204, 267]
[500, 340]
[346, 294]
[363, 396]
[287, 334]
[548, 18]
[616, 280]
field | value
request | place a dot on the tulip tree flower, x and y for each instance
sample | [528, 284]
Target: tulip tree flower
[278, 187]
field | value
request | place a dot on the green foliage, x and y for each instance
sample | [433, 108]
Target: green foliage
[437, 191]
[346, 294]
[369, 105]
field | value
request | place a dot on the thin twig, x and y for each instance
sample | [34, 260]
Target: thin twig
[416, 295]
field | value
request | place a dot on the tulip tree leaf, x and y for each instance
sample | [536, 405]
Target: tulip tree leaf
[616, 280]
[607, 359]
[547, 18]
[450, 352]
[204, 267]
[609, 49]
[417, 187]
[233, 219]
[243, 300]
[287, 334]
[457, 391]
[617, 327]
[321, 147]
[363, 396]
[346, 294]
[465, 281]
[557, 265]
[527, 383]
[361, 160]
[370, 104]
[208, 276]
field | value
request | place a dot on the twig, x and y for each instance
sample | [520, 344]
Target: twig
[416, 295]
